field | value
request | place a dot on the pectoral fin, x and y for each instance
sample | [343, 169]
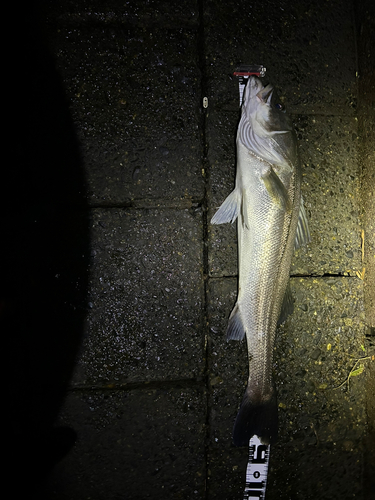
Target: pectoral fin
[245, 215]
[229, 210]
[303, 233]
[277, 190]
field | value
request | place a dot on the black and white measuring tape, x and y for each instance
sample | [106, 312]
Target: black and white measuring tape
[244, 71]
[257, 469]
[259, 454]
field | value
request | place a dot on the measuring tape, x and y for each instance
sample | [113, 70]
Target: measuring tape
[259, 453]
[244, 71]
[257, 469]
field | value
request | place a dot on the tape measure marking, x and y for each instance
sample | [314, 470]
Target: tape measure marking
[257, 470]
[244, 71]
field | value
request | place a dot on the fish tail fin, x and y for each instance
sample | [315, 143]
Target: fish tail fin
[256, 418]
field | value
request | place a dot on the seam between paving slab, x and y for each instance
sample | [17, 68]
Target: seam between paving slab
[205, 172]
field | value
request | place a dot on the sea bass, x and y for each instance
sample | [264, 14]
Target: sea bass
[271, 223]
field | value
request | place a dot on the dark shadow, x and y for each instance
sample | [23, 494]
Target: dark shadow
[43, 258]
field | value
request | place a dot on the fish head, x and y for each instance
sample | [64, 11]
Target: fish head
[264, 109]
[264, 117]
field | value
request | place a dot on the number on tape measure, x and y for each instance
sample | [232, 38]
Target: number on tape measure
[257, 469]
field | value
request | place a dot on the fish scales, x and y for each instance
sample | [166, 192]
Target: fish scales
[267, 203]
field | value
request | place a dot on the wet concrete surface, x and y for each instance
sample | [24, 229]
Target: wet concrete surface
[134, 85]
[142, 443]
[137, 361]
[145, 299]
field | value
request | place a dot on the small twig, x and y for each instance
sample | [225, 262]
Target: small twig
[361, 274]
[316, 434]
[351, 372]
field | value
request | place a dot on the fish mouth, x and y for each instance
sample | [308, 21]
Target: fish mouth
[255, 88]
[265, 95]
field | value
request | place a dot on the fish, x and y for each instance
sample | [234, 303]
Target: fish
[271, 223]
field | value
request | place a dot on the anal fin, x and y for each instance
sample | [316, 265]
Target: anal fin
[235, 330]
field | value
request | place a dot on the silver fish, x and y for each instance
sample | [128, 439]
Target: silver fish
[271, 223]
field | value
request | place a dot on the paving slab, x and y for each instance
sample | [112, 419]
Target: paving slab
[145, 296]
[226, 473]
[133, 85]
[137, 444]
[322, 417]
[308, 50]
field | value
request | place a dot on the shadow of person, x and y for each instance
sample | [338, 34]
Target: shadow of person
[43, 259]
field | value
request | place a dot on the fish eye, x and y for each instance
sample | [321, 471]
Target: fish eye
[279, 106]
